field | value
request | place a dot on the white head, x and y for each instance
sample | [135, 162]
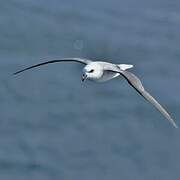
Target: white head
[92, 71]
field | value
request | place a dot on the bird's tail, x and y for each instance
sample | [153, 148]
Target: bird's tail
[125, 66]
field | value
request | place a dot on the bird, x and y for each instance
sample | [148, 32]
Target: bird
[101, 71]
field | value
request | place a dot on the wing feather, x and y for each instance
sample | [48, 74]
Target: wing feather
[137, 85]
[79, 60]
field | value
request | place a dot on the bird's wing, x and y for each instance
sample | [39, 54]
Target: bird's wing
[79, 60]
[137, 85]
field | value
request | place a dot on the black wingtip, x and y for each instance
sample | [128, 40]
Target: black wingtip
[17, 73]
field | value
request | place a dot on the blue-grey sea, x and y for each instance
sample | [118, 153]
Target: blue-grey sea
[53, 126]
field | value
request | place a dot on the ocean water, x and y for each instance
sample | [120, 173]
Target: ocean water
[53, 126]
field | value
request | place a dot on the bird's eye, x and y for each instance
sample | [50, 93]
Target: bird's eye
[92, 70]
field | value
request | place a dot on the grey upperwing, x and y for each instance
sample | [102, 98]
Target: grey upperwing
[137, 85]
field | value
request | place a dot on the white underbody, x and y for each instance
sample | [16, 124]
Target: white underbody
[107, 76]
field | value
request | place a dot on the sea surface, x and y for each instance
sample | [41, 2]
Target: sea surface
[53, 126]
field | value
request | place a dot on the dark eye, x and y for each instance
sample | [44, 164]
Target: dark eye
[91, 71]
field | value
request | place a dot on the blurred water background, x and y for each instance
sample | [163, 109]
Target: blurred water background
[53, 126]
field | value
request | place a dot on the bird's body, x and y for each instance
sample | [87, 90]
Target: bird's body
[100, 71]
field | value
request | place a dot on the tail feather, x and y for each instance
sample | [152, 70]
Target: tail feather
[125, 66]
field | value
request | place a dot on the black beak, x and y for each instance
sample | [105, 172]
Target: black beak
[84, 77]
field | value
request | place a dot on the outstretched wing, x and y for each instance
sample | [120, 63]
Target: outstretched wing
[137, 85]
[79, 60]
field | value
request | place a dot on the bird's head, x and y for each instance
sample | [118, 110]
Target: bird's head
[92, 71]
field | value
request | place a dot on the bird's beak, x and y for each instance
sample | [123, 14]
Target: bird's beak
[84, 77]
